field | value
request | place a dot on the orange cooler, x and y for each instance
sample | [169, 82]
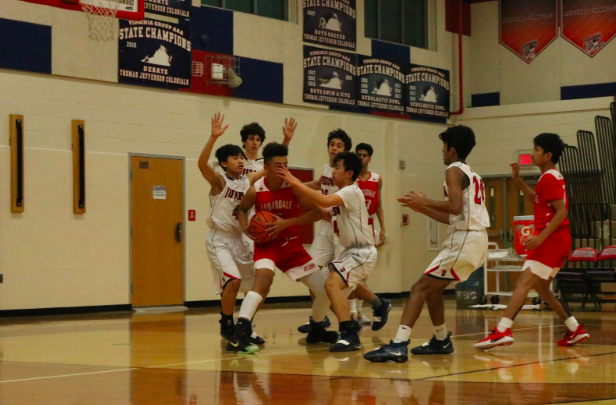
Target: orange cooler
[523, 227]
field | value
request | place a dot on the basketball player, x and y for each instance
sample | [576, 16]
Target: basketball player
[253, 136]
[370, 184]
[548, 249]
[286, 252]
[325, 243]
[462, 253]
[229, 250]
[357, 254]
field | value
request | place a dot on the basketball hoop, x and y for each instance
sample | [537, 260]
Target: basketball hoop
[101, 18]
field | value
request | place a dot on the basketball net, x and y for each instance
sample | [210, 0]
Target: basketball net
[101, 18]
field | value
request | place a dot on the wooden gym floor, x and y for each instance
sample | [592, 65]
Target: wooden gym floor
[179, 358]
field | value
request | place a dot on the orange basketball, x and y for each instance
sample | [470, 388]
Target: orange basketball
[258, 226]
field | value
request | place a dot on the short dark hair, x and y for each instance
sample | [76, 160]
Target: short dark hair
[272, 150]
[461, 138]
[366, 147]
[350, 161]
[342, 135]
[226, 151]
[252, 129]
[550, 143]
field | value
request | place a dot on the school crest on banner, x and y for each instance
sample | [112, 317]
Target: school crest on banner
[527, 27]
[589, 25]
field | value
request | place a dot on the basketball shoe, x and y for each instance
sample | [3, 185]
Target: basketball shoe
[496, 338]
[435, 346]
[318, 334]
[397, 352]
[226, 326]
[379, 316]
[361, 318]
[305, 328]
[349, 341]
[572, 338]
[239, 343]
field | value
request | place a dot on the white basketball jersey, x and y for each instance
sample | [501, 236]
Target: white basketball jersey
[251, 166]
[351, 223]
[474, 216]
[327, 181]
[223, 206]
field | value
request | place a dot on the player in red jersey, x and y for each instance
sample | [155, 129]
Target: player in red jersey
[286, 252]
[548, 249]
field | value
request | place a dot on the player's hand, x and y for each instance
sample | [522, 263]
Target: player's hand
[274, 228]
[413, 200]
[217, 128]
[381, 240]
[533, 242]
[284, 174]
[289, 128]
[515, 171]
[249, 235]
[327, 214]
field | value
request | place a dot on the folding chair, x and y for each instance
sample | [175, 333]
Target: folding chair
[577, 275]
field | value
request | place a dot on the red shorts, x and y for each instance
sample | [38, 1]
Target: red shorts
[288, 255]
[551, 254]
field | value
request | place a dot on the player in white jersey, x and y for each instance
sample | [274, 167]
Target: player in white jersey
[465, 250]
[356, 255]
[253, 136]
[229, 250]
[325, 242]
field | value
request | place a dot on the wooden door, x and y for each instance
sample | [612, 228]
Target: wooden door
[157, 229]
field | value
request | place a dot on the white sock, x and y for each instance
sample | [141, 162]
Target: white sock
[249, 305]
[572, 324]
[403, 335]
[359, 303]
[440, 332]
[504, 324]
[352, 306]
[316, 283]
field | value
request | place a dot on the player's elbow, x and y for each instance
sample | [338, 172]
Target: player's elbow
[457, 209]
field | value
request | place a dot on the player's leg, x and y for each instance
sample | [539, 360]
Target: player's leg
[380, 306]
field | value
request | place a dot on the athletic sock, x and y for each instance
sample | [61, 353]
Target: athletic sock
[376, 304]
[403, 335]
[358, 304]
[504, 324]
[572, 324]
[352, 306]
[249, 305]
[440, 332]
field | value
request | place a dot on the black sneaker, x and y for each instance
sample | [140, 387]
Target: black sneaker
[349, 341]
[242, 346]
[318, 334]
[435, 346]
[397, 352]
[305, 328]
[379, 316]
[255, 339]
[226, 327]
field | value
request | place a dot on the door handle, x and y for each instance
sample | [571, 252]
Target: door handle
[178, 232]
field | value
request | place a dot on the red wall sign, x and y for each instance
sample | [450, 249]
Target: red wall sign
[527, 27]
[589, 24]
[192, 215]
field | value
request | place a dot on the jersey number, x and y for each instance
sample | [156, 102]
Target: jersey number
[235, 212]
[480, 192]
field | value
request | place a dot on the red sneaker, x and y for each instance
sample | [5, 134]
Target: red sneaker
[572, 338]
[496, 338]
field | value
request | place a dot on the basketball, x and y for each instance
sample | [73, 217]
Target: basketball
[258, 226]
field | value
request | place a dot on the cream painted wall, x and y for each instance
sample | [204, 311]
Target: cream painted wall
[497, 69]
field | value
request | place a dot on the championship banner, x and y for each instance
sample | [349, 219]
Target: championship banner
[427, 92]
[154, 53]
[380, 84]
[331, 23]
[329, 77]
[527, 27]
[170, 8]
[589, 24]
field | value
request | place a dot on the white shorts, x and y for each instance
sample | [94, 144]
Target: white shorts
[324, 245]
[231, 258]
[461, 254]
[355, 264]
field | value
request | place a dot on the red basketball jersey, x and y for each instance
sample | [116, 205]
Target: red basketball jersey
[370, 188]
[281, 202]
[551, 186]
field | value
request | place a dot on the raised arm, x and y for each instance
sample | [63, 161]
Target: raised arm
[213, 177]
[246, 204]
[310, 194]
[288, 130]
[528, 192]
[254, 176]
